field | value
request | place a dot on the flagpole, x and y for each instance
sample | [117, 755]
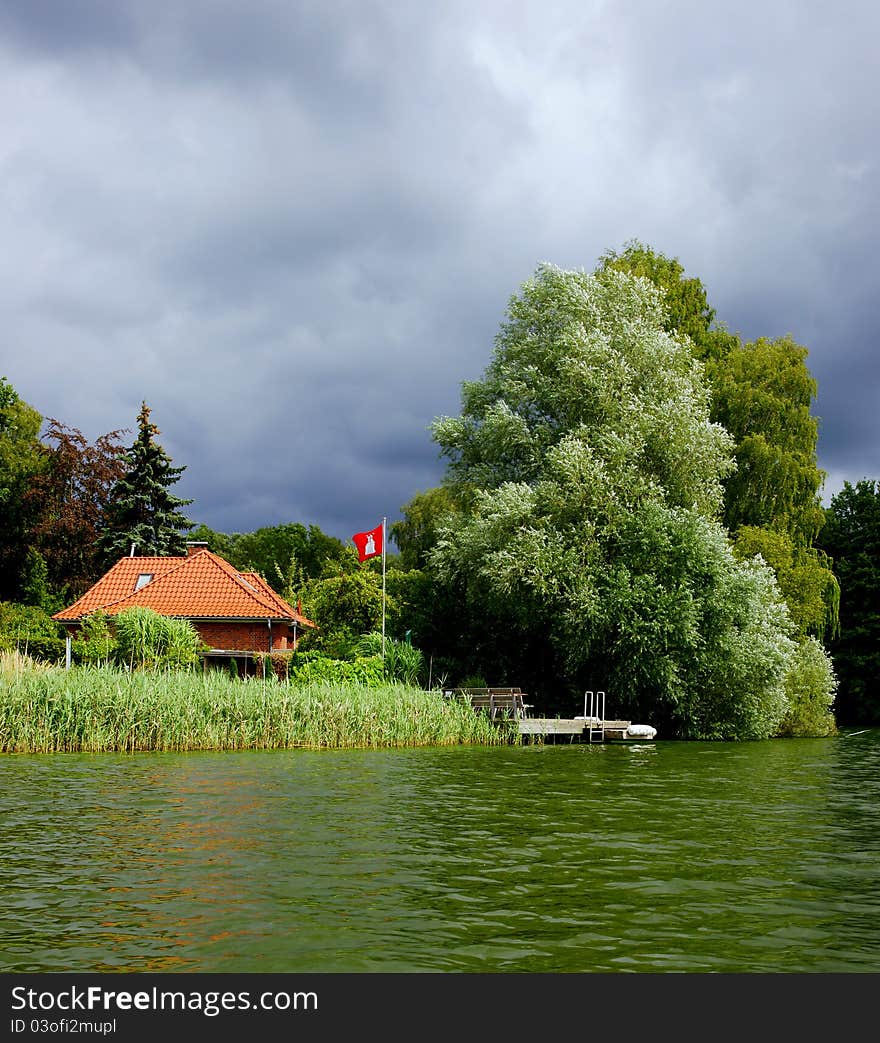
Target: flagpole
[383, 588]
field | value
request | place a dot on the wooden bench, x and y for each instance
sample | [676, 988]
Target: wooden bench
[497, 702]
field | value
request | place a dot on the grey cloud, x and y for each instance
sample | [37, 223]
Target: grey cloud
[294, 228]
[69, 28]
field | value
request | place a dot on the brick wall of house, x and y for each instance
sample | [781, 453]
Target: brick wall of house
[244, 637]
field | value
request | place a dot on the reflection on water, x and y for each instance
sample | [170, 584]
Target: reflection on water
[658, 857]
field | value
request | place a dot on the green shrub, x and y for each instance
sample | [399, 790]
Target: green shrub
[94, 642]
[402, 661]
[31, 631]
[363, 670]
[368, 644]
[810, 686]
[147, 640]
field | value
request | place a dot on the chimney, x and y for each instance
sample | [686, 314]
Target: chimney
[195, 547]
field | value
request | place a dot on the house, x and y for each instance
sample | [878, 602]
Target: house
[237, 614]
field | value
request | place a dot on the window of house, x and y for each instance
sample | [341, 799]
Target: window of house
[143, 579]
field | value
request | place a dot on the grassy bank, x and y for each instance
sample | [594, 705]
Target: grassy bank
[98, 709]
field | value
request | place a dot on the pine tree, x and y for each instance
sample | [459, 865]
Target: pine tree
[142, 513]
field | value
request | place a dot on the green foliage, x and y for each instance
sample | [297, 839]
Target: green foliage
[804, 574]
[31, 630]
[141, 512]
[586, 384]
[273, 664]
[410, 594]
[35, 588]
[52, 499]
[94, 641]
[402, 662]
[147, 640]
[285, 555]
[594, 473]
[473, 681]
[852, 538]
[416, 533]
[454, 634]
[704, 637]
[369, 644]
[21, 458]
[762, 393]
[344, 606]
[311, 668]
[686, 306]
[810, 685]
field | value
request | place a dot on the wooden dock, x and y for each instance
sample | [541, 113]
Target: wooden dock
[502, 704]
[579, 729]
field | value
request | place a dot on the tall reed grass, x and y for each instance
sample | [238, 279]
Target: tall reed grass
[96, 709]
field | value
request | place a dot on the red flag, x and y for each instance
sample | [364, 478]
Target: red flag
[369, 544]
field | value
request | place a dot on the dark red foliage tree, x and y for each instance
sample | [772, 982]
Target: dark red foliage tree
[67, 501]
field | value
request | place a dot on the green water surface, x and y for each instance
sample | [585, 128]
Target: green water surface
[665, 856]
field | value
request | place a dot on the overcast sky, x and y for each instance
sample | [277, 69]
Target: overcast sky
[293, 226]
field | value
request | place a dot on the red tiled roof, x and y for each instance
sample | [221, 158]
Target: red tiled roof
[200, 586]
[118, 583]
[267, 592]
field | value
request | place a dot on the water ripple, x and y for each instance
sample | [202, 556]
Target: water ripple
[663, 857]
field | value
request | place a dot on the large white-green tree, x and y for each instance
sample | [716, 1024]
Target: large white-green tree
[591, 540]
[762, 392]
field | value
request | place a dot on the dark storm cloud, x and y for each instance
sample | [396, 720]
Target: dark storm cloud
[69, 27]
[294, 228]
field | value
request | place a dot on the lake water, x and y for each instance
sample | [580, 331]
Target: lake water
[667, 856]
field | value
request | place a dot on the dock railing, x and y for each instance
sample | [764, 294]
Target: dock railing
[594, 712]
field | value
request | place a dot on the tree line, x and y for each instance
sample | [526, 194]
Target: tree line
[632, 502]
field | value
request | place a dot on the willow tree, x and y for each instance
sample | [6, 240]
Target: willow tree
[594, 474]
[762, 392]
[686, 302]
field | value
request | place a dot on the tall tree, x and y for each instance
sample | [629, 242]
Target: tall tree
[592, 546]
[686, 304]
[68, 500]
[416, 533]
[762, 393]
[852, 538]
[21, 458]
[142, 513]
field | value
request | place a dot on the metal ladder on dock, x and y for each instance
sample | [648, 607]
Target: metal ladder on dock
[594, 711]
